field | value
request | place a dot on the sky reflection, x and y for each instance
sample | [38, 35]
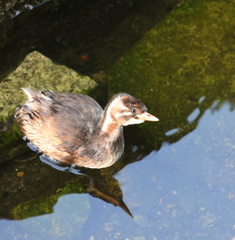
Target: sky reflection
[183, 191]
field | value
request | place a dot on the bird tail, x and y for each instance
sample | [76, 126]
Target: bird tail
[42, 95]
[31, 94]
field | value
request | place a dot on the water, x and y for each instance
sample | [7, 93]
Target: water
[182, 190]
[185, 190]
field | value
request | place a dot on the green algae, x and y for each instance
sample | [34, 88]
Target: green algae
[62, 214]
[8, 137]
[187, 56]
[38, 72]
[45, 205]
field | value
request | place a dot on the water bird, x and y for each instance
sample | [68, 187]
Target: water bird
[74, 129]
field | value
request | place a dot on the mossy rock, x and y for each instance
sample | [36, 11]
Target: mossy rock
[38, 72]
[185, 62]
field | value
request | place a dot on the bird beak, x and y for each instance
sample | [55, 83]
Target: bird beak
[145, 116]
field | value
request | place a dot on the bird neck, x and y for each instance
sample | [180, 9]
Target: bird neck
[109, 125]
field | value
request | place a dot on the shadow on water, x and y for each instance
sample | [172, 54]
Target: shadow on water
[81, 35]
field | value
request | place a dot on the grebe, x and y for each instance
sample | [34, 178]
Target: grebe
[74, 129]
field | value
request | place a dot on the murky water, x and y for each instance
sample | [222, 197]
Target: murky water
[183, 190]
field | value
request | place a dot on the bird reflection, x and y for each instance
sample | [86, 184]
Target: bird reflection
[99, 183]
[107, 188]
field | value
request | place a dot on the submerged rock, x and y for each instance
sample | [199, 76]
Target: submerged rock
[46, 204]
[186, 57]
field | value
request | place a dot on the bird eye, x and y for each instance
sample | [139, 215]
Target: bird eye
[133, 110]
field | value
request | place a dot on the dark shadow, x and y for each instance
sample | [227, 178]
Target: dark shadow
[87, 36]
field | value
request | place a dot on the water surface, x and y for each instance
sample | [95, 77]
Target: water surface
[185, 190]
[181, 187]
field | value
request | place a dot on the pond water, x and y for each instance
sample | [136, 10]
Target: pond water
[182, 189]
[185, 190]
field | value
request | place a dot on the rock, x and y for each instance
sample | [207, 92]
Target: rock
[184, 62]
[39, 72]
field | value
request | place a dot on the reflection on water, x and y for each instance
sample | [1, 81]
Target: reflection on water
[183, 191]
[100, 183]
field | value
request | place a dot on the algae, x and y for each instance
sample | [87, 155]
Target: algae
[45, 205]
[62, 206]
[187, 56]
[39, 72]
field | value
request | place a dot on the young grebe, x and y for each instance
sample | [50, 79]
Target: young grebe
[73, 128]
